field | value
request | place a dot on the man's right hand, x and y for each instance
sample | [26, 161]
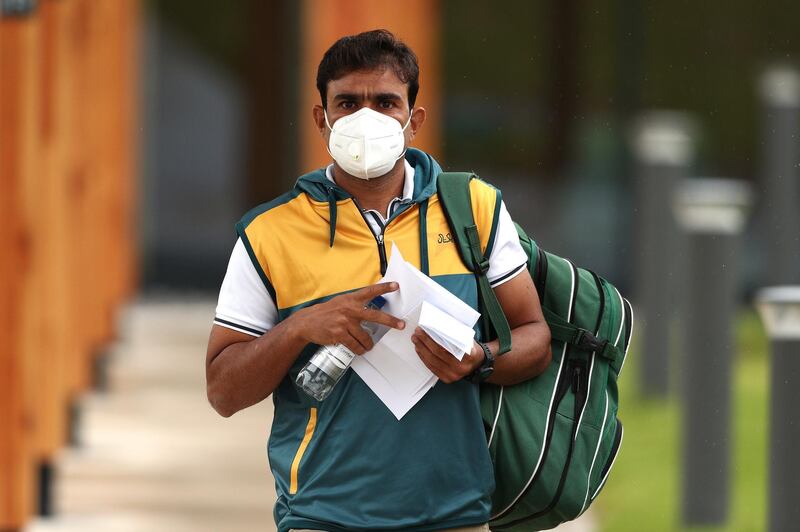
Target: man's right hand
[338, 320]
[242, 370]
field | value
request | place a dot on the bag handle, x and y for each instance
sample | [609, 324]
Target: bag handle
[454, 193]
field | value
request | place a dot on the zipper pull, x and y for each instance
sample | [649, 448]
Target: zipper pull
[382, 254]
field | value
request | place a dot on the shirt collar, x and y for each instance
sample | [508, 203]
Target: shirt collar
[408, 184]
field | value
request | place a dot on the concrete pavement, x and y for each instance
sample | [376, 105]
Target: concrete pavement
[154, 456]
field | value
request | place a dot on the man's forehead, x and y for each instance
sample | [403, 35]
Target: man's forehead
[368, 82]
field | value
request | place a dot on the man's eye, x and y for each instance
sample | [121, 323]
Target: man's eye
[386, 104]
[347, 105]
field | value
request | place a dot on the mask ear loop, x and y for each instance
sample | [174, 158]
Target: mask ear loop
[409, 119]
[405, 148]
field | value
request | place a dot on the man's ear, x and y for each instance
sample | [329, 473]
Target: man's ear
[319, 118]
[417, 119]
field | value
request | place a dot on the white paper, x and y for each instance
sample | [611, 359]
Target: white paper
[416, 287]
[448, 332]
[392, 369]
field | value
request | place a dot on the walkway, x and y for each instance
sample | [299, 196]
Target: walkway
[154, 456]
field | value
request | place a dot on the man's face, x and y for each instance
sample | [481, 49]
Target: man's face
[379, 89]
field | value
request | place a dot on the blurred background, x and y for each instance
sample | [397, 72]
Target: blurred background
[135, 133]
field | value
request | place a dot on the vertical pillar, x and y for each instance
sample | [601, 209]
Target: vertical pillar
[272, 130]
[663, 146]
[81, 191]
[712, 212]
[779, 308]
[127, 67]
[57, 311]
[780, 96]
[416, 22]
[17, 108]
[52, 352]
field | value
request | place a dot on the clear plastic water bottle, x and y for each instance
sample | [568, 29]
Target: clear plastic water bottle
[329, 363]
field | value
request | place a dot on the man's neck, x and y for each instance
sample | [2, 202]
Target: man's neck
[374, 194]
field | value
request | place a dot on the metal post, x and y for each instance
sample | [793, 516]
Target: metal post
[779, 308]
[780, 94]
[713, 212]
[664, 150]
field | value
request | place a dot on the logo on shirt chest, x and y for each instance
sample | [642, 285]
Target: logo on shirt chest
[445, 238]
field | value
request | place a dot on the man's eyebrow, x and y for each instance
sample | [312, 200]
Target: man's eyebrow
[388, 96]
[347, 96]
[382, 96]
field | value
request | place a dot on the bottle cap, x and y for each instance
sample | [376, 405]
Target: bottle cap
[378, 302]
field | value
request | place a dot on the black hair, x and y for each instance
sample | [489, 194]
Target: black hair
[366, 51]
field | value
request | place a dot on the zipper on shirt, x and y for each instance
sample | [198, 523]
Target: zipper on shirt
[378, 238]
[382, 253]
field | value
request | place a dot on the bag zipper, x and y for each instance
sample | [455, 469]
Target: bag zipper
[562, 386]
[580, 384]
[628, 323]
[541, 273]
[602, 293]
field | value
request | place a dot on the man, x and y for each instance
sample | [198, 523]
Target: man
[300, 275]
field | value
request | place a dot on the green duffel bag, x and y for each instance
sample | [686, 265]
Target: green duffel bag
[553, 439]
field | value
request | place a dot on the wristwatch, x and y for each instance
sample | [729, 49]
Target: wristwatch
[487, 368]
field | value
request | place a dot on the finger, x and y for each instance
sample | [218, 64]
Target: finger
[361, 336]
[437, 350]
[434, 363]
[378, 316]
[368, 293]
[350, 342]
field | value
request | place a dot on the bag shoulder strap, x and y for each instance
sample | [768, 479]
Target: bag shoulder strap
[454, 194]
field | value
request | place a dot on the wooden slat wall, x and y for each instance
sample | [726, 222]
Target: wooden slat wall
[68, 84]
[16, 109]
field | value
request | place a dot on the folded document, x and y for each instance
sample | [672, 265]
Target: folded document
[392, 369]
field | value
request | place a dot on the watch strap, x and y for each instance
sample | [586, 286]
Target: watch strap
[485, 370]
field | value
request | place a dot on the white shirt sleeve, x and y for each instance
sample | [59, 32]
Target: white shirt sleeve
[244, 304]
[507, 258]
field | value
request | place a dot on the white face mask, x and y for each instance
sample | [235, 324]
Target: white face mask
[366, 144]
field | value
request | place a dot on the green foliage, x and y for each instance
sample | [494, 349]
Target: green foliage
[643, 489]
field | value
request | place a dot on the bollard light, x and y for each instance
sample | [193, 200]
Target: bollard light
[713, 213]
[663, 143]
[780, 86]
[712, 205]
[665, 137]
[779, 308]
[779, 90]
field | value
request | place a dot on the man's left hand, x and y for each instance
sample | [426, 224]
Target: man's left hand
[441, 362]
